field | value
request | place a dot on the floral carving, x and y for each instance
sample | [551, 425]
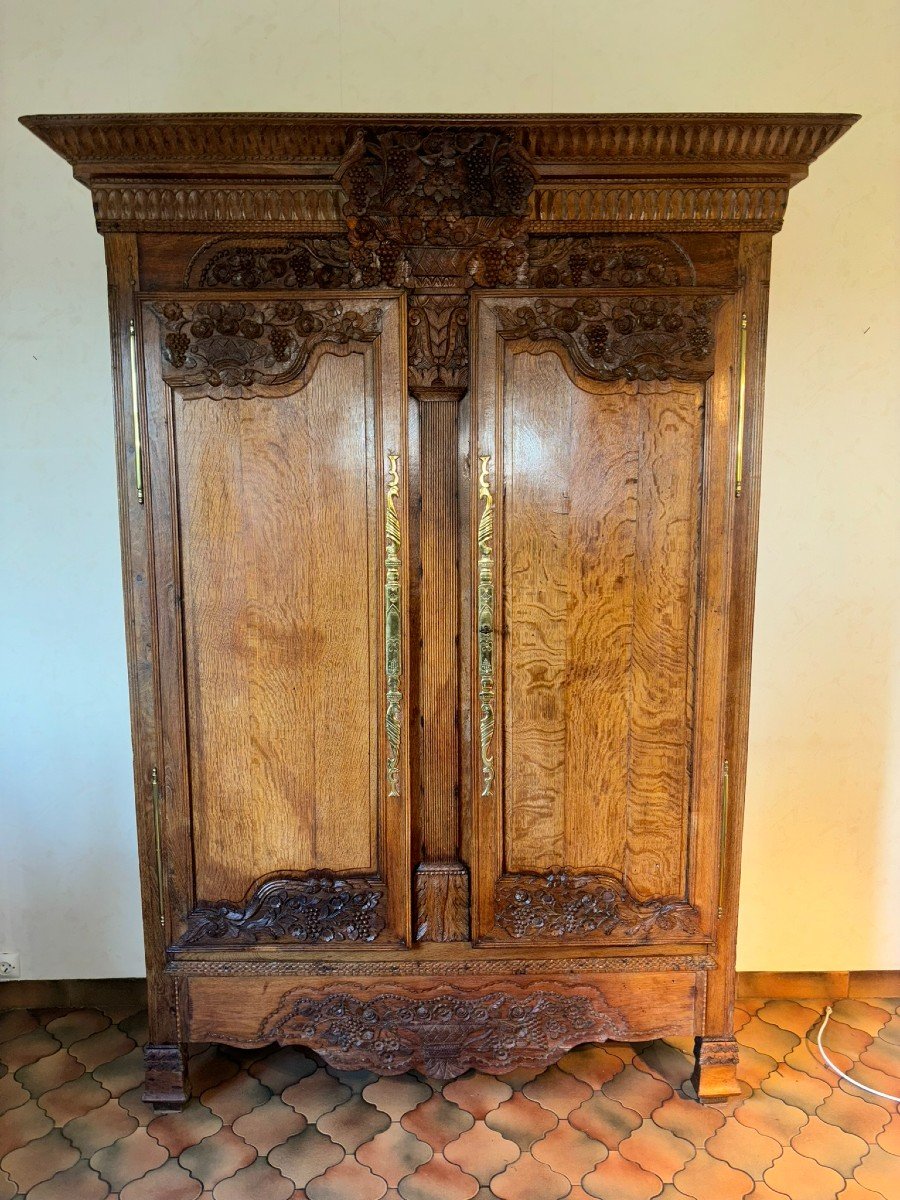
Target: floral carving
[297, 263]
[640, 337]
[598, 261]
[315, 909]
[442, 1033]
[559, 905]
[438, 341]
[234, 346]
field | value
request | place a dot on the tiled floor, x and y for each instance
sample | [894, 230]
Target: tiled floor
[612, 1122]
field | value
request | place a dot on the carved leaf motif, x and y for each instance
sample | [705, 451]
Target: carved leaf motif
[296, 263]
[599, 261]
[233, 346]
[608, 338]
[441, 1034]
[560, 905]
[438, 341]
[314, 909]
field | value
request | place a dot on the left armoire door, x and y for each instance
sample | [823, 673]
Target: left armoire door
[275, 460]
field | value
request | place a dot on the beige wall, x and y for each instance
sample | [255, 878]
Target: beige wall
[822, 866]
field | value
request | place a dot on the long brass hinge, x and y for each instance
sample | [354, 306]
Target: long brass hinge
[723, 838]
[742, 409]
[135, 420]
[157, 835]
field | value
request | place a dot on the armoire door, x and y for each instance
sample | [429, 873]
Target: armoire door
[277, 498]
[600, 506]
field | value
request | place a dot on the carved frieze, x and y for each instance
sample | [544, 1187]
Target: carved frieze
[313, 262]
[621, 337]
[559, 905]
[608, 262]
[640, 963]
[441, 1033]
[317, 909]
[236, 345]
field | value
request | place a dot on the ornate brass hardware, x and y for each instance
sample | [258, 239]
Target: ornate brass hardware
[742, 408]
[157, 835]
[135, 420]
[486, 623]
[392, 624]
[723, 839]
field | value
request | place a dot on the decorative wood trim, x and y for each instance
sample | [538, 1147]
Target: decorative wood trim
[621, 337]
[604, 261]
[438, 345]
[442, 902]
[295, 263]
[636, 964]
[316, 909]
[705, 204]
[156, 207]
[559, 905]
[442, 1033]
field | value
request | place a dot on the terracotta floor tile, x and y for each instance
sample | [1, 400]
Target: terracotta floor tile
[12, 1094]
[569, 1152]
[873, 1079]
[753, 1067]
[853, 1114]
[878, 1171]
[437, 1121]
[282, 1068]
[704, 1177]
[618, 1177]
[27, 1049]
[762, 1191]
[832, 1147]
[521, 1121]
[791, 1015]
[358, 1081]
[802, 1179]
[259, 1181]
[889, 1138]
[348, 1178]
[235, 1097]
[353, 1123]
[438, 1179]
[557, 1091]
[316, 1095]
[168, 1182]
[638, 1090]
[49, 1073]
[518, 1078]
[21, 1125]
[394, 1154]
[805, 1058]
[78, 1024]
[528, 1179]
[478, 1094]
[39, 1160]
[217, 1157]
[269, 1125]
[73, 1099]
[861, 1015]
[101, 1047]
[482, 1151]
[306, 1156]
[79, 1182]
[100, 1128]
[845, 1039]
[657, 1150]
[210, 1068]
[767, 1038]
[135, 1025]
[882, 1056]
[796, 1088]
[15, 1023]
[667, 1062]
[772, 1117]
[744, 1148]
[594, 1065]
[685, 1118]
[176, 1131]
[133, 1103]
[122, 1074]
[128, 1159]
[856, 1191]
[891, 1032]
[605, 1120]
[8, 1190]
[396, 1094]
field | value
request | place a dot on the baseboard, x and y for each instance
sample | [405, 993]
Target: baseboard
[778, 985]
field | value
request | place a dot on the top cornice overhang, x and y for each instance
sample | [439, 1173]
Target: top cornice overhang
[277, 171]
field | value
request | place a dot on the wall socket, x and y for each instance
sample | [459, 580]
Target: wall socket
[9, 964]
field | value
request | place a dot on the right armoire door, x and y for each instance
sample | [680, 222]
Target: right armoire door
[601, 498]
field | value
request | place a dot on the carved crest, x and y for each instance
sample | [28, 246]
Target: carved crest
[315, 909]
[559, 905]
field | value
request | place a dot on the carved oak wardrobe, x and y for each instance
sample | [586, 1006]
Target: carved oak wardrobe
[438, 444]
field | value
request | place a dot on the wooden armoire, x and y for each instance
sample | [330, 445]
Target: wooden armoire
[438, 443]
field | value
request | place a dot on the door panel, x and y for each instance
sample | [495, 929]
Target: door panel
[281, 514]
[598, 500]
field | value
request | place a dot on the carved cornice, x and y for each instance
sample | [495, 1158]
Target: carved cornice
[677, 203]
[198, 205]
[559, 905]
[441, 1033]
[228, 348]
[316, 909]
[621, 337]
[413, 967]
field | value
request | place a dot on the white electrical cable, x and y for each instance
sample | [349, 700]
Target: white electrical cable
[838, 1071]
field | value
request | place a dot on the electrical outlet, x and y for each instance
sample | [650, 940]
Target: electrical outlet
[9, 964]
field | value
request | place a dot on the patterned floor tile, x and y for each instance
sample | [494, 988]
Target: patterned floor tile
[605, 1120]
[348, 1178]
[259, 1181]
[802, 1178]
[39, 1160]
[521, 1120]
[316, 1095]
[557, 1091]
[478, 1094]
[437, 1122]
[704, 1177]
[529, 1179]
[21, 1125]
[439, 1179]
[657, 1150]
[282, 1068]
[269, 1125]
[394, 1154]
[49, 1073]
[831, 1147]
[73, 1099]
[625, 1180]
[78, 1182]
[396, 1094]
[236, 1097]
[217, 1157]
[176, 1131]
[744, 1148]
[168, 1182]
[353, 1123]
[878, 1171]
[482, 1151]
[306, 1156]
[569, 1152]
[128, 1159]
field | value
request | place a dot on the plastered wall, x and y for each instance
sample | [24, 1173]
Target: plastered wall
[822, 849]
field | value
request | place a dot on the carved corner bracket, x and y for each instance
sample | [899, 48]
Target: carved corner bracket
[558, 905]
[315, 909]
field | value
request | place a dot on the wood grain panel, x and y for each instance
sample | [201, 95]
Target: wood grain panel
[274, 506]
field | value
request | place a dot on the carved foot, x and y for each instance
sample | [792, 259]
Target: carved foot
[166, 1080]
[715, 1070]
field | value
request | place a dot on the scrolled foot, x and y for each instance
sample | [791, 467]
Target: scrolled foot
[166, 1079]
[715, 1069]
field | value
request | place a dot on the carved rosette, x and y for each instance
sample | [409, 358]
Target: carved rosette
[314, 910]
[559, 905]
[441, 1033]
[234, 346]
[630, 337]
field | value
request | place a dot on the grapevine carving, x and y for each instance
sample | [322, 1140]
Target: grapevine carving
[598, 261]
[295, 263]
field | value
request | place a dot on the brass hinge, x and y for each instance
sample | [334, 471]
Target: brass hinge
[157, 834]
[135, 420]
[723, 839]
[742, 408]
